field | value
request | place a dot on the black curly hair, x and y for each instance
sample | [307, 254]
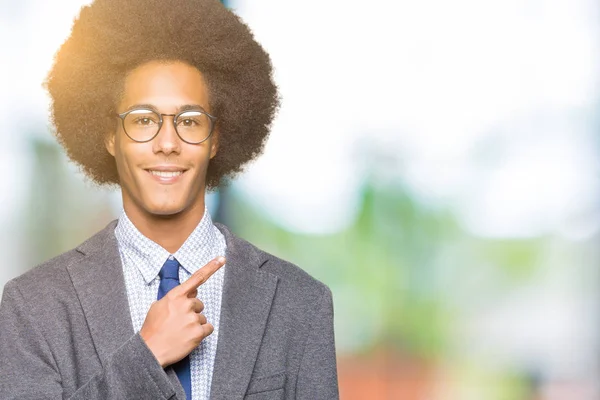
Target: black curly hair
[112, 37]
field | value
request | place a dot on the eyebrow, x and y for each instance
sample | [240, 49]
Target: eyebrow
[185, 107]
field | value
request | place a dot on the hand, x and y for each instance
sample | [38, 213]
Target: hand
[174, 326]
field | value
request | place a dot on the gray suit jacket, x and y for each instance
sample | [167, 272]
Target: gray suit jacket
[66, 331]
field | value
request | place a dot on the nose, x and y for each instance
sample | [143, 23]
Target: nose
[167, 141]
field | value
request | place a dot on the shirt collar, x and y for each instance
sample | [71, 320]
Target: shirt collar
[148, 256]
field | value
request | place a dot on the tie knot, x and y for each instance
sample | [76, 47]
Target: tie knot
[170, 270]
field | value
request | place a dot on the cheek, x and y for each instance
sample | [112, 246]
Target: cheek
[204, 158]
[128, 156]
[201, 159]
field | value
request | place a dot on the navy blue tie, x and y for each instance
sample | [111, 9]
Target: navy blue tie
[169, 278]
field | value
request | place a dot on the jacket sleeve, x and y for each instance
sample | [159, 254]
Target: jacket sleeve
[317, 377]
[28, 369]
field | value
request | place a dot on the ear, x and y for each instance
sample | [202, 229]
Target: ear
[109, 143]
[214, 144]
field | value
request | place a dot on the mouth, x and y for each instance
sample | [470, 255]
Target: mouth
[166, 174]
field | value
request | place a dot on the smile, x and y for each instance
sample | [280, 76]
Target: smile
[165, 174]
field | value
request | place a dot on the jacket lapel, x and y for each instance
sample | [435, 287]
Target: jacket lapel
[100, 287]
[247, 296]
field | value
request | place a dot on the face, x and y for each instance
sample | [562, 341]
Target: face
[165, 176]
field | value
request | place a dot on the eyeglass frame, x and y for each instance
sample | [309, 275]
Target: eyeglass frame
[123, 115]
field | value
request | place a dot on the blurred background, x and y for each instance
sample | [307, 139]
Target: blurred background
[445, 190]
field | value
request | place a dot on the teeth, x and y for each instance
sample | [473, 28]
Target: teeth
[166, 174]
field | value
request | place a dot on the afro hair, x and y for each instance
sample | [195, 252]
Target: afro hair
[112, 37]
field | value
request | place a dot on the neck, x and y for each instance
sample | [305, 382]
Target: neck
[169, 231]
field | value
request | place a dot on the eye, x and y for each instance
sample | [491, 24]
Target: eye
[144, 121]
[189, 122]
[191, 119]
[142, 118]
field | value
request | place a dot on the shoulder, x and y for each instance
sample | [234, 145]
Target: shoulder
[291, 274]
[50, 279]
[292, 279]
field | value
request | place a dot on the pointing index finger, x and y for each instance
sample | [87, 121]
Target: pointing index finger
[200, 276]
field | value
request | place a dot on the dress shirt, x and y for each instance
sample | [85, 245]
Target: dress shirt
[142, 260]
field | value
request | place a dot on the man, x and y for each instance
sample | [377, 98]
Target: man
[164, 99]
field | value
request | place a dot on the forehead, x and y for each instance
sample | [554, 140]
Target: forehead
[165, 84]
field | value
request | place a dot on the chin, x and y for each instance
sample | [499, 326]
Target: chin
[162, 210]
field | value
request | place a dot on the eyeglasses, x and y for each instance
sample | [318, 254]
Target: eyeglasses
[142, 125]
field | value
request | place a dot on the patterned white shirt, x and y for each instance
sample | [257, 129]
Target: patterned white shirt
[142, 260]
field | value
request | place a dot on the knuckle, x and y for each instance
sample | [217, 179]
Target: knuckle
[199, 332]
[191, 304]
